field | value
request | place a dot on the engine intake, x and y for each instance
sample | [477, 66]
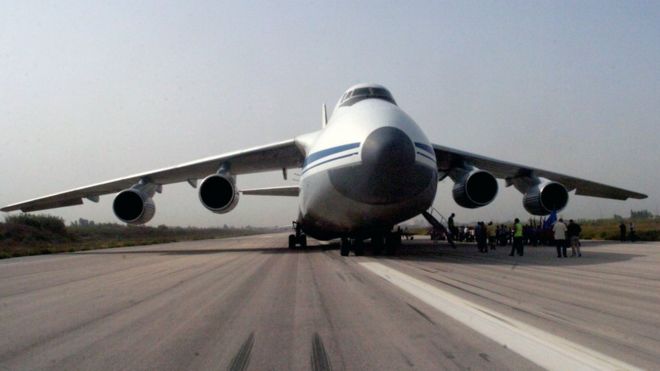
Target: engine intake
[133, 206]
[475, 189]
[217, 193]
[545, 198]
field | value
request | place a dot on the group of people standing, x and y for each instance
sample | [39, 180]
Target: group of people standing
[489, 235]
[631, 232]
[485, 236]
[565, 235]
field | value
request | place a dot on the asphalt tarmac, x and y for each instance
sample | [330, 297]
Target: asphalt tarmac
[251, 303]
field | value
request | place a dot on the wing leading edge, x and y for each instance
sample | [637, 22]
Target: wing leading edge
[270, 157]
[449, 158]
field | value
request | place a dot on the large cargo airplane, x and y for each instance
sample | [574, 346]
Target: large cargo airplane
[367, 169]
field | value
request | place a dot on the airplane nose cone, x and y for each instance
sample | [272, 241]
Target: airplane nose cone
[388, 150]
[388, 172]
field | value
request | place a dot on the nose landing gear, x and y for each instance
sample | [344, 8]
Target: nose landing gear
[299, 238]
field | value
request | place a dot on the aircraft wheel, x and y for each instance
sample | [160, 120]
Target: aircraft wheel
[292, 241]
[303, 241]
[344, 247]
[358, 248]
[393, 240]
[377, 244]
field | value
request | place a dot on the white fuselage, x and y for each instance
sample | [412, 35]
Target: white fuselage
[370, 168]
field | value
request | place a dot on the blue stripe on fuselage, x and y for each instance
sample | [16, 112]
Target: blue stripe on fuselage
[330, 160]
[425, 147]
[327, 152]
[425, 155]
[334, 150]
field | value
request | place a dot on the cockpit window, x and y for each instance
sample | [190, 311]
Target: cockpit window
[381, 92]
[359, 94]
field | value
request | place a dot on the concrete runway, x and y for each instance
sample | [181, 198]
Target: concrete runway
[251, 303]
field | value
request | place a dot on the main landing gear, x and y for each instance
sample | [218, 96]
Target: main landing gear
[348, 244]
[300, 238]
[390, 241]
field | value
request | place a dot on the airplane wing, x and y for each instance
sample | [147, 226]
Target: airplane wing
[449, 158]
[270, 157]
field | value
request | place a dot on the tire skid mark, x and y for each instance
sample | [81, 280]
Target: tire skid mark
[242, 359]
[406, 358]
[319, 358]
[418, 311]
[357, 277]
[449, 355]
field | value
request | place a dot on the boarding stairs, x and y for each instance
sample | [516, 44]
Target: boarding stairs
[438, 225]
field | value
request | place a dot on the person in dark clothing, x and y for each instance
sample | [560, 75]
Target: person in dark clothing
[622, 232]
[631, 233]
[481, 236]
[451, 226]
[517, 238]
[536, 235]
[573, 233]
[504, 235]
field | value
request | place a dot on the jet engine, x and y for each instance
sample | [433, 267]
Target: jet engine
[218, 193]
[476, 189]
[545, 197]
[134, 206]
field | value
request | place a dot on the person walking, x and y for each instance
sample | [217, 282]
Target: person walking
[574, 231]
[451, 226]
[517, 238]
[622, 232]
[559, 230]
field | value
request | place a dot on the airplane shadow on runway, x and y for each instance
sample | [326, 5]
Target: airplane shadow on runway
[264, 250]
[467, 253]
[534, 255]
[420, 251]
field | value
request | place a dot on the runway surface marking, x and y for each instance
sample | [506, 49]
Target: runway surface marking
[544, 349]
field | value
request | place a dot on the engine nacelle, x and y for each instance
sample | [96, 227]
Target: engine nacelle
[545, 197]
[218, 193]
[134, 206]
[475, 189]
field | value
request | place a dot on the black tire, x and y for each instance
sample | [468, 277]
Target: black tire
[358, 248]
[292, 241]
[377, 244]
[303, 241]
[344, 247]
[392, 241]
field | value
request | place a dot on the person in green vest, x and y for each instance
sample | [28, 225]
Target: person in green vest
[517, 238]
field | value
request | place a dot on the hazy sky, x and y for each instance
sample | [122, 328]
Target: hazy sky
[91, 91]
